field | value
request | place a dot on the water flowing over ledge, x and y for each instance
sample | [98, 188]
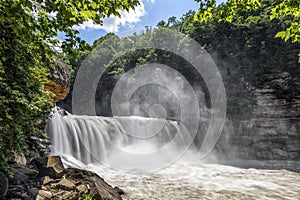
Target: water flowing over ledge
[90, 143]
[124, 143]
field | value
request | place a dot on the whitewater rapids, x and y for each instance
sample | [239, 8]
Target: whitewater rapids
[186, 180]
[89, 143]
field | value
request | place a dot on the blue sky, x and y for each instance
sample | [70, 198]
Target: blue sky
[149, 13]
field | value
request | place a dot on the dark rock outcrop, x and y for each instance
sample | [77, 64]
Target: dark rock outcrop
[39, 147]
[273, 130]
[51, 166]
[96, 186]
[73, 184]
[59, 81]
[3, 185]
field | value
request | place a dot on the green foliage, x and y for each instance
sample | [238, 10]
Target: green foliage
[245, 51]
[280, 9]
[23, 103]
[288, 9]
[28, 31]
[87, 196]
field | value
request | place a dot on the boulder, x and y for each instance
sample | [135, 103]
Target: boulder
[65, 184]
[25, 183]
[51, 166]
[18, 159]
[119, 191]
[22, 174]
[75, 184]
[97, 187]
[38, 147]
[82, 188]
[42, 195]
[48, 181]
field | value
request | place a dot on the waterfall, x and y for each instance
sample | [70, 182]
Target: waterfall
[125, 143]
[138, 144]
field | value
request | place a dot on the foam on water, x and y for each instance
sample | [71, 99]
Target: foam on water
[194, 181]
[90, 143]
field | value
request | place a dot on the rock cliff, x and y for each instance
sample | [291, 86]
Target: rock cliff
[59, 81]
[273, 130]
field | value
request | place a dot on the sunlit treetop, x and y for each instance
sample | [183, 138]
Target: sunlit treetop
[280, 9]
[46, 18]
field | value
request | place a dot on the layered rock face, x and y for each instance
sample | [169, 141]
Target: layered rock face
[273, 131]
[59, 81]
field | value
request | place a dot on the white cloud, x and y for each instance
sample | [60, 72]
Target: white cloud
[57, 47]
[113, 23]
[152, 1]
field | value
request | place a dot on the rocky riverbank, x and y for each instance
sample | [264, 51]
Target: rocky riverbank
[46, 178]
[41, 177]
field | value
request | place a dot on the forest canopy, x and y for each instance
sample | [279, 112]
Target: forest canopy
[241, 35]
[245, 50]
[278, 9]
[28, 37]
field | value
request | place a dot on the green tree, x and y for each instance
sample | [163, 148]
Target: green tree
[247, 53]
[288, 9]
[28, 31]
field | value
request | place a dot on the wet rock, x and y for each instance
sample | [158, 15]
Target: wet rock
[69, 195]
[44, 195]
[119, 191]
[38, 147]
[26, 184]
[47, 181]
[82, 188]
[97, 187]
[65, 184]
[49, 166]
[3, 185]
